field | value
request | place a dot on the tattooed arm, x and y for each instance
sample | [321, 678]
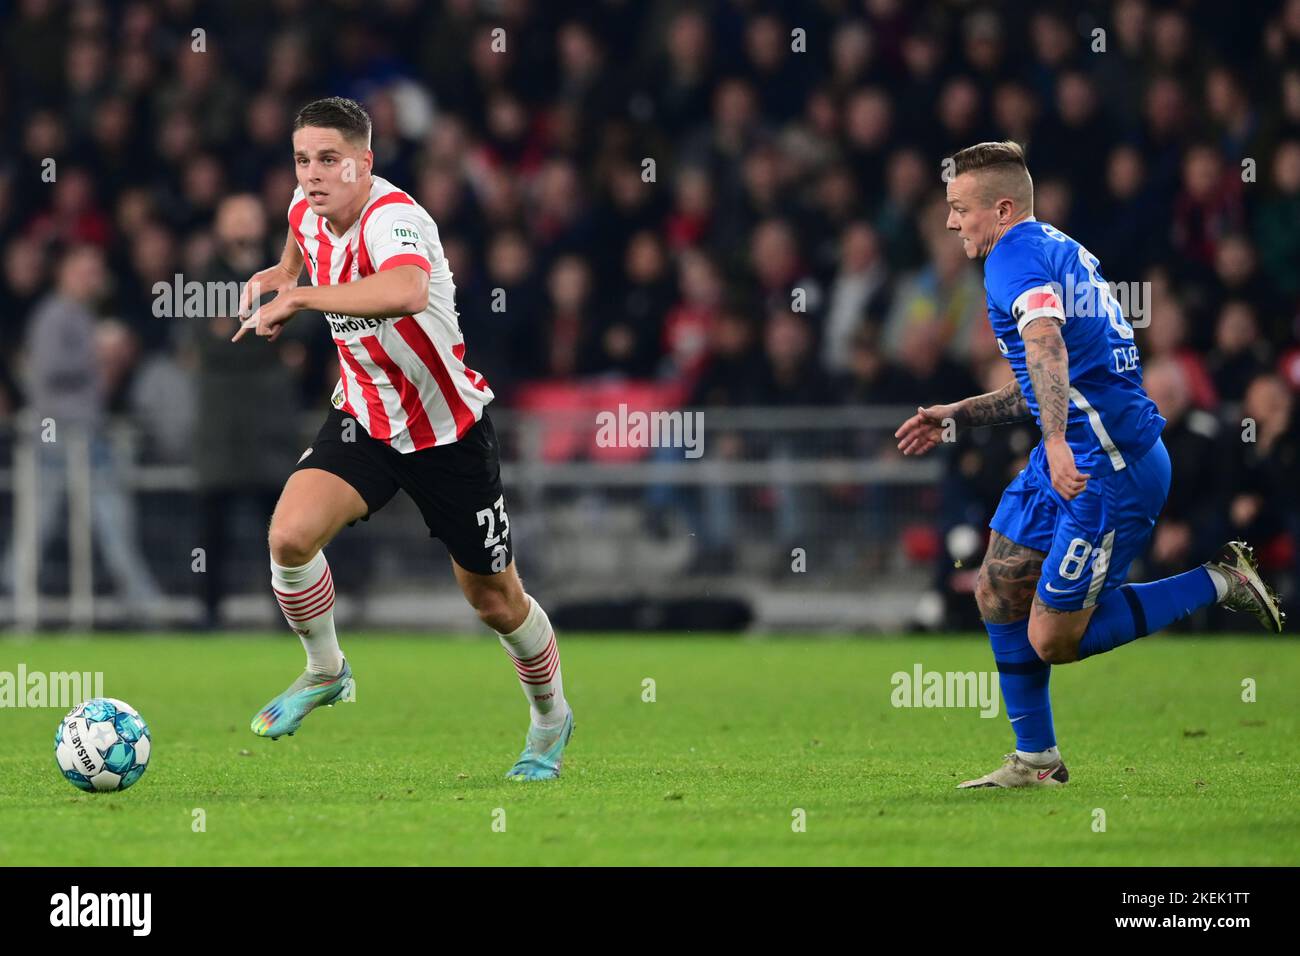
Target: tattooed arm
[1049, 371]
[1002, 407]
[1048, 365]
[927, 427]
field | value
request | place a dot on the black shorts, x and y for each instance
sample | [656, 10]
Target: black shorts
[457, 487]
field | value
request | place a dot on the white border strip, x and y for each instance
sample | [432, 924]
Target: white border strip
[1103, 436]
[1100, 568]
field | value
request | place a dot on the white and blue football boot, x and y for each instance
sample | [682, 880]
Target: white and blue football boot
[543, 754]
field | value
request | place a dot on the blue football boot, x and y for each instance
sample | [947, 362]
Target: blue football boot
[284, 714]
[543, 754]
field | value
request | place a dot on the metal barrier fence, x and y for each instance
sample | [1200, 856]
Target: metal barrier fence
[798, 512]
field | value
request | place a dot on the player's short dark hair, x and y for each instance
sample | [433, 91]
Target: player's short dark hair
[337, 112]
[1005, 161]
[987, 156]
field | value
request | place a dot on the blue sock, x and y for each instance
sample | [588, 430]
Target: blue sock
[1023, 677]
[1136, 610]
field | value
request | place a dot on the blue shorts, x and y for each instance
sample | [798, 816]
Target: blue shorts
[1091, 540]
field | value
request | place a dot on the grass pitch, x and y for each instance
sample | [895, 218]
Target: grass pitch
[742, 734]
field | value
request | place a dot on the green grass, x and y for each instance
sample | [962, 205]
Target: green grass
[742, 733]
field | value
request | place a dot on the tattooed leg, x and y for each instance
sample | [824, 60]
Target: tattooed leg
[1005, 592]
[1005, 587]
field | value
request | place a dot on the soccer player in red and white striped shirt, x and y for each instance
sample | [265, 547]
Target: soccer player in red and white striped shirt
[408, 414]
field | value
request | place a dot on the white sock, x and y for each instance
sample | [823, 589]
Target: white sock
[536, 658]
[1041, 758]
[306, 596]
[1220, 583]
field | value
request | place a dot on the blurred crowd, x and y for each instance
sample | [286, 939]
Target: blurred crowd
[739, 198]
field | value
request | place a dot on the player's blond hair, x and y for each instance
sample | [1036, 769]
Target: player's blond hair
[1001, 172]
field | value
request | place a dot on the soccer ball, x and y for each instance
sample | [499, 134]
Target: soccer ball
[102, 744]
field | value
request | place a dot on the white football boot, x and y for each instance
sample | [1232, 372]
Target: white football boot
[1247, 591]
[1016, 773]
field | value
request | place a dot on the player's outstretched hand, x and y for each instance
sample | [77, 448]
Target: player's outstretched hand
[269, 320]
[276, 280]
[1066, 478]
[924, 430]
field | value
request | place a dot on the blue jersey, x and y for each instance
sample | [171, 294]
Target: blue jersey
[1035, 271]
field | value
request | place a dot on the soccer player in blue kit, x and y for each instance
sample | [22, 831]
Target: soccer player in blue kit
[1052, 586]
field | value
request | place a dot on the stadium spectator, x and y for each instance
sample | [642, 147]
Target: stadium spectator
[1236, 277]
[946, 296]
[74, 218]
[1260, 463]
[858, 294]
[730, 379]
[1165, 337]
[21, 285]
[566, 343]
[686, 327]
[1277, 222]
[789, 375]
[869, 377]
[1124, 240]
[1239, 352]
[247, 401]
[1207, 207]
[1192, 524]
[507, 304]
[65, 391]
[631, 334]
[898, 216]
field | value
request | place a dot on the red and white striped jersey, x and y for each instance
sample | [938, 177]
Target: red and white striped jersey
[404, 379]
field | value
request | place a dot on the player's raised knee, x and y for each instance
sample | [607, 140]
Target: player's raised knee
[1051, 644]
[292, 544]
